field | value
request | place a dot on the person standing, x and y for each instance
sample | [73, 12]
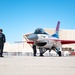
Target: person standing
[34, 50]
[2, 41]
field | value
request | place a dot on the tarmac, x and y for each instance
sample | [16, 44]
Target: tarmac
[29, 65]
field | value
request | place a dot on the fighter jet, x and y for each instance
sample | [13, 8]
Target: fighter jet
[43, 41]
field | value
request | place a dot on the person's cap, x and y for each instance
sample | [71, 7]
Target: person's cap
[1, 30]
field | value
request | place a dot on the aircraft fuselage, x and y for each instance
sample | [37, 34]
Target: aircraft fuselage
[46, 41]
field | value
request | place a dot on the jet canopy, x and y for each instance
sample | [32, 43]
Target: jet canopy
[39, 31]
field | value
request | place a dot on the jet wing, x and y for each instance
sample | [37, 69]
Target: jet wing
[62, 41]
[57, 40]
[65, 41]
[30, 42]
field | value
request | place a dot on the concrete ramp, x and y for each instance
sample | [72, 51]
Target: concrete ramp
[29, 65]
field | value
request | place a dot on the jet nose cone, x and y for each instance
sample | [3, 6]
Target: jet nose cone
[33, 37]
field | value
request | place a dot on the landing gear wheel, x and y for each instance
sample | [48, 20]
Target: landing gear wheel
[41, 51]
[41, 54]
[59, 53]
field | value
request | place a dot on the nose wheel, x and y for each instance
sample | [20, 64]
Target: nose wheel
[42, 51]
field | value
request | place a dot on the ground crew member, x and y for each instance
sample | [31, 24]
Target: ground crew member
[2, 41]
[34, 50]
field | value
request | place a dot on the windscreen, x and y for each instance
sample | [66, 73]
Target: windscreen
[40, 31]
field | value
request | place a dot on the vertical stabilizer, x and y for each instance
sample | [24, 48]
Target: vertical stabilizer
[56, 35]
[57, 27]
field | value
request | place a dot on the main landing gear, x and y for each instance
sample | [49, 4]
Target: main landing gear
[56, 50]
[43, 50]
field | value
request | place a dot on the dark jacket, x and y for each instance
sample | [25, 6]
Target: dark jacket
[2, 38]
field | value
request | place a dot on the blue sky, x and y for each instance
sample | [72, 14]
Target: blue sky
[18, 17]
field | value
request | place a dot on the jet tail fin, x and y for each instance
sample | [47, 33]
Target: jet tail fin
[57, 27]
[56, 35]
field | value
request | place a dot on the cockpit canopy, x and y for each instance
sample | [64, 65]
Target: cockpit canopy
[40, 31]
